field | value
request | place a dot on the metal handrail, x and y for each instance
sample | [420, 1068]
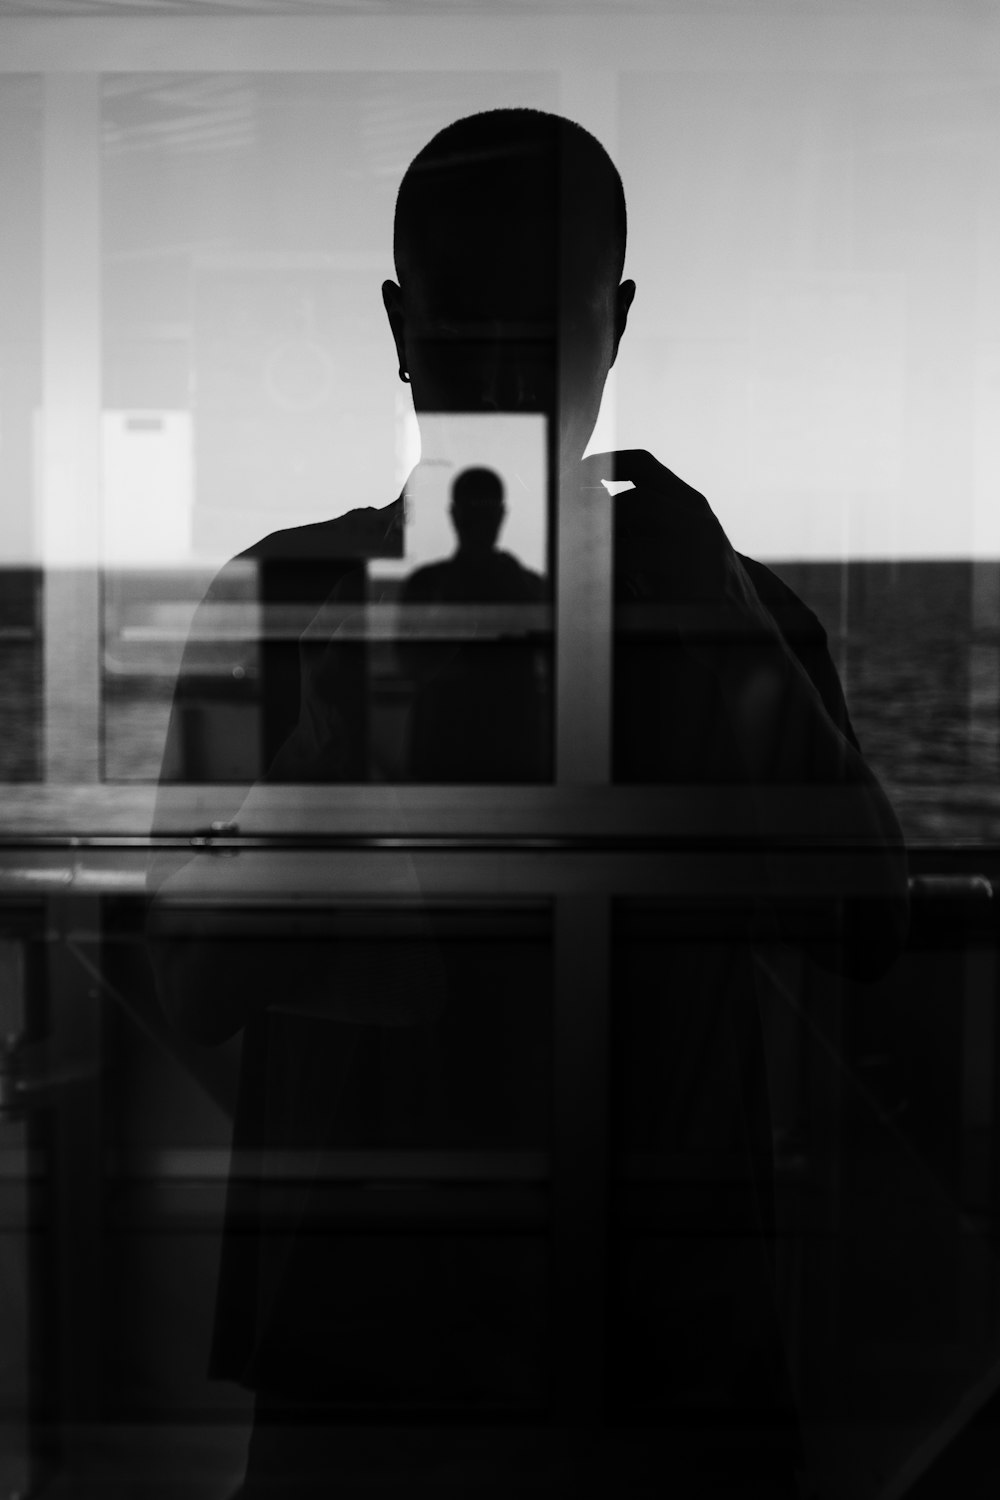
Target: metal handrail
[950, 887]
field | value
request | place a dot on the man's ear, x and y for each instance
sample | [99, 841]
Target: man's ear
[623, 301]
[392, 301]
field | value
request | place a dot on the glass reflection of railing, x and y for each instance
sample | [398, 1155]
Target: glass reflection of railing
[147, 640]
[223, 622]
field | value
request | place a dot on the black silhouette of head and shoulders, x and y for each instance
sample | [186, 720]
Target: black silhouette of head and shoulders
[479, 570]
[509, 244]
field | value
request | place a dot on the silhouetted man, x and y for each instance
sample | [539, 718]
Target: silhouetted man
[509, 245]
[479, 711]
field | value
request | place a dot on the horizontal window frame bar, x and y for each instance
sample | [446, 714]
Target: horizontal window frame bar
[280, 877]
[76, 813]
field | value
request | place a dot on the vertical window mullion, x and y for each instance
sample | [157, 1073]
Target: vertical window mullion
[581, 1002]
[584, 537]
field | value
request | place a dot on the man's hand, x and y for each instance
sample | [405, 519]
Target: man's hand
[671, 552]
[670, 542]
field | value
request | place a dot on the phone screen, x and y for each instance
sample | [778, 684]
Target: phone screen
[461, 682]
[510, 445]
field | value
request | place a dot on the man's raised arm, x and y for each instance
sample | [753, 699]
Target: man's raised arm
[785, 733]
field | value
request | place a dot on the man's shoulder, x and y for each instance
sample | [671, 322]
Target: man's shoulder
[367, 532]
[791, 614]
[806, 635]
[337, 542]
[523, 580]
[430, 575]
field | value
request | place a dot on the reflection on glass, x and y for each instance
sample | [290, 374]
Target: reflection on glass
[843, 347]
[478, 712]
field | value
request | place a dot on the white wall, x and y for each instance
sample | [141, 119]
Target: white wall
[814, 230]
[816, 337]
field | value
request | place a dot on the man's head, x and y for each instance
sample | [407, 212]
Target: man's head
[509, 242]
[477, 509]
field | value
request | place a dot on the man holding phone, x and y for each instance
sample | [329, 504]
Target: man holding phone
[509, 246]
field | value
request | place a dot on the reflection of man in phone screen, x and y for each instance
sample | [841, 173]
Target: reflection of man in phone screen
[478, 713]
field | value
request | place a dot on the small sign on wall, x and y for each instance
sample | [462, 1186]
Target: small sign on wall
[146, 488]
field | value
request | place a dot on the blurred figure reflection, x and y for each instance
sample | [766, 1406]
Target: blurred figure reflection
[478, 713]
